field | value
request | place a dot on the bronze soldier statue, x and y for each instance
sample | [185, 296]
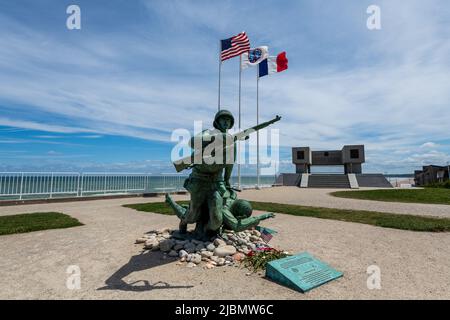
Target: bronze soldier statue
[212, 159]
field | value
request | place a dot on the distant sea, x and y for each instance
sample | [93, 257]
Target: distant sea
[47, 185]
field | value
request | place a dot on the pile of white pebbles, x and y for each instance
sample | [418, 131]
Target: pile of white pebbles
[227, 249]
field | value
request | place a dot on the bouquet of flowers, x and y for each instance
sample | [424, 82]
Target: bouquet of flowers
[256, 259]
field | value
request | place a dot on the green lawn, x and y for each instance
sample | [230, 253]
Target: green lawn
[20, 223]
[380, 219]
[427, 195]
[155, 207]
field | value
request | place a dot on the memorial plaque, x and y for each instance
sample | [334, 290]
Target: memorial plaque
[301, 272]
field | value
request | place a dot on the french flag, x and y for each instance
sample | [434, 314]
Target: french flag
[273, 65]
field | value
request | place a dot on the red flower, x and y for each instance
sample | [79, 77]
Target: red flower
[265, 249]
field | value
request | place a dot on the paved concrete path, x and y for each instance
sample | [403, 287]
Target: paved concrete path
[33, 265]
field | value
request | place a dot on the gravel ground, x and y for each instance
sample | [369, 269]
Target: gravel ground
[414, 265]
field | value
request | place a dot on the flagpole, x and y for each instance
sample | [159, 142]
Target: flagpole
[239, 143]
[257, 122]
[220, 69]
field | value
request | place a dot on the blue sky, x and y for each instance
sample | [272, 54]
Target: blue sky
[108, 96]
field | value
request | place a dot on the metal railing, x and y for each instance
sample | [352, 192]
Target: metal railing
[397, 182]
[44, 185]
[20, 185]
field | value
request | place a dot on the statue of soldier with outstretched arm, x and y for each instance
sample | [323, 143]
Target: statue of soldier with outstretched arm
[214, 153]
[208, 181]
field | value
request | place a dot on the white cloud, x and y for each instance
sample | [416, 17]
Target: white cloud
[390, 94]
[429, 145]
[41, 126]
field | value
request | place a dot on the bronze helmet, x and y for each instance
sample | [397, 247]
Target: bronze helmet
[223, 113]
[241, 209]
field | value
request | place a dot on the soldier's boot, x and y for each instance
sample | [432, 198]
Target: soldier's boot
[199, 232]
[182, 227]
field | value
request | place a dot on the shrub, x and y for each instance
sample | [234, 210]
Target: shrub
[444, 184]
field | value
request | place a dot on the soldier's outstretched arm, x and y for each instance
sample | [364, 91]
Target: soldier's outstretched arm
[243, 135]
[242, 224]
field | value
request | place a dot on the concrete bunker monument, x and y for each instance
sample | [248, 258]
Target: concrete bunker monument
[351, 158]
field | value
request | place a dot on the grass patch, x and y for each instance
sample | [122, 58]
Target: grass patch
[444, 184]
[427, 195]
[380, 219]
[21, 223]
[155, 207]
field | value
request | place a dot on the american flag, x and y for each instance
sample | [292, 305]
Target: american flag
[234, 46]
[266, 233]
